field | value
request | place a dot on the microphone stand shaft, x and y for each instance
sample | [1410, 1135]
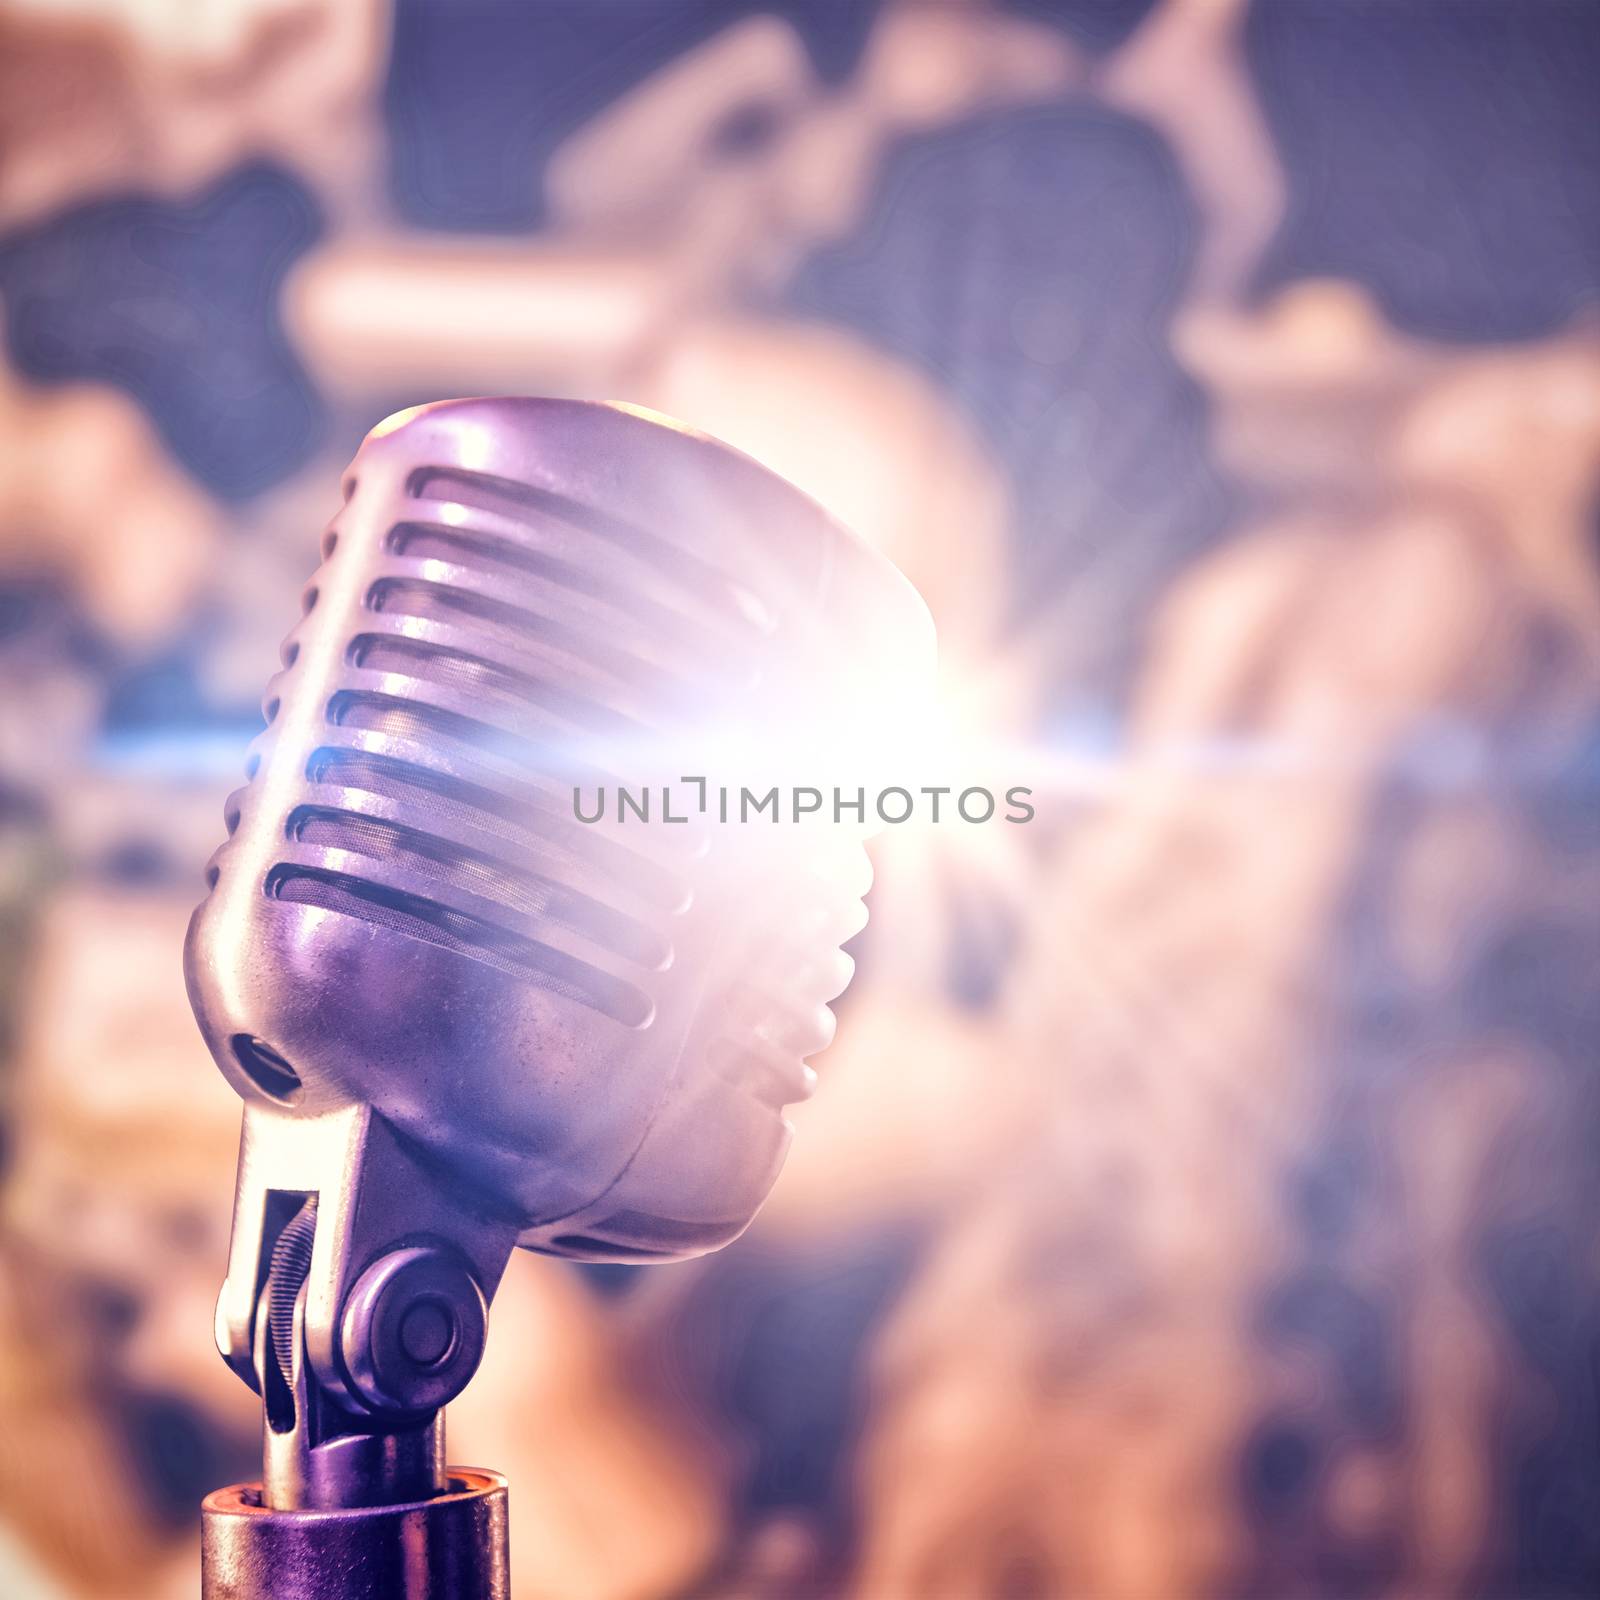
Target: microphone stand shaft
[450, 1547]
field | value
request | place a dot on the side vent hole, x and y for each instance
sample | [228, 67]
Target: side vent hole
[308, 600]
[290, 652]
[330, 542]
[270, 710]
[265, 1068]
[212, 874]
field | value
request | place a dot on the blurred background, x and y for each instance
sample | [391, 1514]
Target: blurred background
[1202, 1196]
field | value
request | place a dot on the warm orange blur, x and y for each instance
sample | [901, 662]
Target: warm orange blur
[1201, 1195]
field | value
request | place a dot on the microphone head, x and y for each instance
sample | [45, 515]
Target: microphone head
[593, 1025]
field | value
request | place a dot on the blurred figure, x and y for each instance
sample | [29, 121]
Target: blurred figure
[1293, 1315]
[1251, 1317]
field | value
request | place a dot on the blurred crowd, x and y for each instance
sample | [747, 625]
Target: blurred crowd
[1202, 1194]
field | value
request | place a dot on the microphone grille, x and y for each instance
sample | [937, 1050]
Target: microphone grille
[495, 637]
[596, 1022]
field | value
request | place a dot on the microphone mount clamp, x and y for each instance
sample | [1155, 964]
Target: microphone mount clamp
[356, 1306]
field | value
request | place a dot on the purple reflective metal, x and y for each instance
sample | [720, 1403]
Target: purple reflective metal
[461, 1018]
[450, 1547]
[519, 594]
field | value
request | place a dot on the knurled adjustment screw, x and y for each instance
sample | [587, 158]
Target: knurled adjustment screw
[413, 1329]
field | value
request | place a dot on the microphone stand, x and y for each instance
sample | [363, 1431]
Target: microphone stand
[355, 1305]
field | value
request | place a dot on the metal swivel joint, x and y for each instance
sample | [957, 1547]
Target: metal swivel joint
[356, 1305]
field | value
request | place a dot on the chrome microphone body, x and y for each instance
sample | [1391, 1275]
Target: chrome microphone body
[460, 1016]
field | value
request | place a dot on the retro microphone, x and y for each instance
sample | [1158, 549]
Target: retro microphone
[461, 1016]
